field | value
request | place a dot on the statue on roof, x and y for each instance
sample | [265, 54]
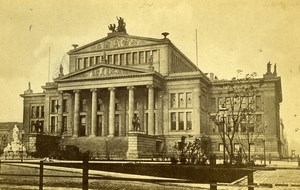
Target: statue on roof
[112, 27]
[61, 71]
[121, 25]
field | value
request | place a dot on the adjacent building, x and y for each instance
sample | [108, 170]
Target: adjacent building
[132, 97]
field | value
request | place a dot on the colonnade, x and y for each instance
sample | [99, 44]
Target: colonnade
[111, 114]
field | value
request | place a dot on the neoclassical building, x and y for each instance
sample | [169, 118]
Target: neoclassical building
[133, 97]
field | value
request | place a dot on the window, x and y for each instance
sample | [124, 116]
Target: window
[97, 59]
[42, 111]
[134, 58]
[117, 105]
[80, 63]
[128, 59]
[53, 106]
[99, 105]
[122, 59]
[92, 61]
[180, 121]
[83, 105]
[116, 59]
[109, 57]
[180, 100]
[141, 58]
[258, 103]
[33, 108]
[189, 99]
[173, 100]
[37, 111]
[86, 63]
[221, 147]
[117, 124]
[148, 56]
[65, 106]
[82, 126]
[99, 127]
[53, 124]
[64, 125]
[173, 121]
[189, 121]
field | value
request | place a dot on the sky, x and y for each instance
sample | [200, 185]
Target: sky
[231, 35]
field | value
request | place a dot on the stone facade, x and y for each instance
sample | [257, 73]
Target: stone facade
[132, 97]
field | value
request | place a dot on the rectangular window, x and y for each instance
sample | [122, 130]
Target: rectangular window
[109, 58]
[258, 103]
[53, 124]
[65, 106]
[116, 59]
[189, 99]
[64, 125]
[80, 63]
[33, 112]
[122, 59]
[117, 124]
[42, 111]
[221, 147]
[180, 121]
[173, 100]
[86, 63]
[53, 106]
[117, 105]
[83, 105]
[92, 61]
[128, 59]
[173, 121]
[180, 100]
[82, 126]
[148, 56]
[37, 111]
[189, 121]
[99, 105]
[97, 59]
[99, 127]
[141, 57]
[134, 58]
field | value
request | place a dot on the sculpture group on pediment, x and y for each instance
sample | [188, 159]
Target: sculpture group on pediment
[121, 26]
[118, 42]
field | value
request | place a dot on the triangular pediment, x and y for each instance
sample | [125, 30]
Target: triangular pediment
[103, 71]
[116, 41]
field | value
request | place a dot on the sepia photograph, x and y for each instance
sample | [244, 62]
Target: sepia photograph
[149, 95]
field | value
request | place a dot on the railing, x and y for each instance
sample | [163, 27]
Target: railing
[85, 177]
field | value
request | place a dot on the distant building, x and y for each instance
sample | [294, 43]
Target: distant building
[134, 97]
[6, 132]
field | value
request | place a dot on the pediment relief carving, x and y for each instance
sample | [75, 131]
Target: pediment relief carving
[103, 72]
[116, 42]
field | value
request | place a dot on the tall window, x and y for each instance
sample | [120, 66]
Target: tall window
[83, 105]
[258, 103]
[180, 121]
[97, 59]
[117, 124]
[53, 124]
[128, 59]
[173, 121]
[109, 58]
[173, 100]
[80, 63]
[221, 147]
[116, 59]
[122, 59]
[82, 126]
[180, 100]
[141, 57]
[42, 111]
[148, 55]
[65, 106]
[135, 55]
[37, 111]
[33, 108]
[189, 121]
[86, 63]
[92, 61]
[188, 99]
[117, 104]
[53, 106]
[99, 105]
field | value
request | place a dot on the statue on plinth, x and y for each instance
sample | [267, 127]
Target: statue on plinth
[136, 123]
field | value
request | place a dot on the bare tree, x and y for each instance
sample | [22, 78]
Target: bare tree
[236, 118]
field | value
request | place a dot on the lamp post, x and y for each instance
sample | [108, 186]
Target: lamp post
[22, 145]
[222, 112]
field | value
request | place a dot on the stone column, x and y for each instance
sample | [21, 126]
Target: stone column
[76, 112]
[94, 112]
[111, 121]
[150, 109]
[130, 106]
[60, 112]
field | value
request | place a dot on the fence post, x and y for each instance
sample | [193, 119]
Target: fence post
[41, 175]
[213, 186]
[250, 181]
[85, 173]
